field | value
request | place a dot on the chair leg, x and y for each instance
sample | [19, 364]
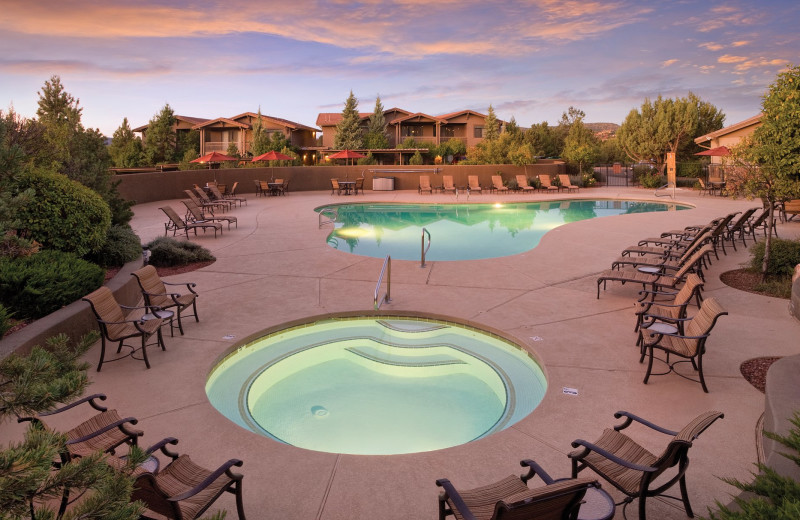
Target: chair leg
[144, 351]
[685, 498]
[180, 325]
[642, 511]
[239, 502]
[161, 339]
[700, 370]
[102, 352]
[649, 365]
[194, 309]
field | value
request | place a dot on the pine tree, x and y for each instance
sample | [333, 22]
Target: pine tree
[490, 126]
[348, 131]
[261, 138]
[126, 147]
[376, 139]
[161, 139]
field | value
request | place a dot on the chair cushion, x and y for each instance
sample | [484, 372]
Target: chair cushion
[625, 448]
[481, 500]
[103, 442]
[182, 475]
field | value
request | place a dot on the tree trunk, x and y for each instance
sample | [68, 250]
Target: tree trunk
[768, 241]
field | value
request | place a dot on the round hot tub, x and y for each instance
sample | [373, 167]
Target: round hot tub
[376, 385]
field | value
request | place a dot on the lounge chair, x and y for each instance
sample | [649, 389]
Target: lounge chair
[474, 185]
[222, 203]
[182, 490]
[547, 183]
[219, 196]
[657, 280]
[117, 326]
[205, 203]
[738, 227]
[258, 188]
[511, 498]
[424, 184]
[672, 256]
[672, 313]
[690, 346]
[335, 187]
[232, 194]
[447, 184]
[522, 183]
[566, 184]
[790, 207]
[195, 215]
[497, 184]
[155, 293]
[176, 224]
[631, 468]
[668, 249]
[759, 222]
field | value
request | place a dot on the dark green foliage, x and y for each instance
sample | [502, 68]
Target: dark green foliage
[348, 131]
[122, 245]
[375, 137]
[39, 284]
[126, 148]
[160, 143]
[783, 256]
[166, 252]
[416, 159]
[5, 320]
[368, 160]
[689, 169]
[63, 214]
[776, 497]
[651, 180]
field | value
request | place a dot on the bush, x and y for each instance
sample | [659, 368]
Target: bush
[63, 214]
[122, 245]
[166, 252]
[588, 180]
[783, 256]
[685, 169]
[5, 320]
[651, 180]
[39, 284]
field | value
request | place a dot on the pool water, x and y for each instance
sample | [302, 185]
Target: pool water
[464, 231]
[377, 386]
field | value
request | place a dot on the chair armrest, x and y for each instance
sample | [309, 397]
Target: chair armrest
[450, 491]
[116, 424]
[162, 445]
[629, 417]
[535, 469]
[189, 285]
[90, 399]
[589, 447]
[225, 468]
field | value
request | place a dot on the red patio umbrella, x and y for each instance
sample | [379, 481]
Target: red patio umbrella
[347, 154]
[272, 155]
[214, 157]
[719, 151]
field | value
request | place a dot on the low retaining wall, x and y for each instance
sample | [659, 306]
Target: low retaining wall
[73, 320]
[782, 399]
[150, 187]
[794, 303]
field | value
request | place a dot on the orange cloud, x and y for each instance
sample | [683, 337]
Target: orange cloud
[667, 63]
[712, 46]
[727, 58]
[741, 43]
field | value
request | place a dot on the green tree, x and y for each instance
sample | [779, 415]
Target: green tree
[375, 138]
[187, 142]
[278, 141]
[543, 140]
[126, 148]
[491, 127]
[416, 159]
[581, 146]
[768, 164]
[28, 485]
[348, 131]
[161, 139]
[665, 125]
[261, 138]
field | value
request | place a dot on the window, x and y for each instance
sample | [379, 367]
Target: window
[478, 132]
[448, 131]
[411, 130]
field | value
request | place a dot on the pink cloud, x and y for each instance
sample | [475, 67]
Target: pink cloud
[667, 63]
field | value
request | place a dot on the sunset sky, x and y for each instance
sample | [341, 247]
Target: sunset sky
[529, 59]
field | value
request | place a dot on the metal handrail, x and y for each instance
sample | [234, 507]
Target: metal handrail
[331, 214]
[387, 268]
[424, 249]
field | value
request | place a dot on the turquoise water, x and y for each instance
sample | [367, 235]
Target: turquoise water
[377, 386]
[465, 231]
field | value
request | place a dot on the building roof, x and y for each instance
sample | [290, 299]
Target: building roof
[285, 122]
[419, 116]
[729, 129]
[224, 121]
[189, 119]
[333, 118]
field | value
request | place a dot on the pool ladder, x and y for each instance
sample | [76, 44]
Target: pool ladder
[387, 269]
[423, 249]
[329, 214]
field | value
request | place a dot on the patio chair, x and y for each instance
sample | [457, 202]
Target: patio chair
[219, 196]
[195, 215]
[670, 249]
[547, 183]
[259, 191]
[672, 257]
[511, 498]
[790, 207]
[221, 203]
[447, 184]
[659, 279]
[182, 490]
[358, 187]
[425, 184]
[117, 326]
[690, 346]
[759, 222]
[335, 187]
[705, 188]
[632, 469]
[566, 183]
[522, 183]
[232, 194]
[205, 203]
[176, 224]
[671, 312]
[738, 227]
[474, 185]
[155, 293]
[497, 184]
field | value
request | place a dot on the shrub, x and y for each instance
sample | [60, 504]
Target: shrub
[122, 245]
[39, 284]
[5, 320]
[651, 180]
[63, 214]
[783, 256]
[689, 169]
[588, 180]
[166, 252]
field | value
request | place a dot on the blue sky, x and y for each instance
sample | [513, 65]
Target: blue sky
[528, 59]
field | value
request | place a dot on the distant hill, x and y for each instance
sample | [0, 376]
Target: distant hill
[603, 130]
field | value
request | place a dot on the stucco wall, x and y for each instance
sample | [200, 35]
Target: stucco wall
[149, 187]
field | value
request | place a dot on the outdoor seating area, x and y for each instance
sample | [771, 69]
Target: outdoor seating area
[347, 187]
[265, 276]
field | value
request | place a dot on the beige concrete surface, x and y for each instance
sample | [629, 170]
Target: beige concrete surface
[277, 267]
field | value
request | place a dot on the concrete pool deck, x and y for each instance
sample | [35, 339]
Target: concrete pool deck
[276, 267]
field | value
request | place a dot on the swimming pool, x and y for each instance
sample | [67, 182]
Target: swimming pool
[376, 385]
[464, 231]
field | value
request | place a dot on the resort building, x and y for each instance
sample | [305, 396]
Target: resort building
[728, 136]
[183, 124]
